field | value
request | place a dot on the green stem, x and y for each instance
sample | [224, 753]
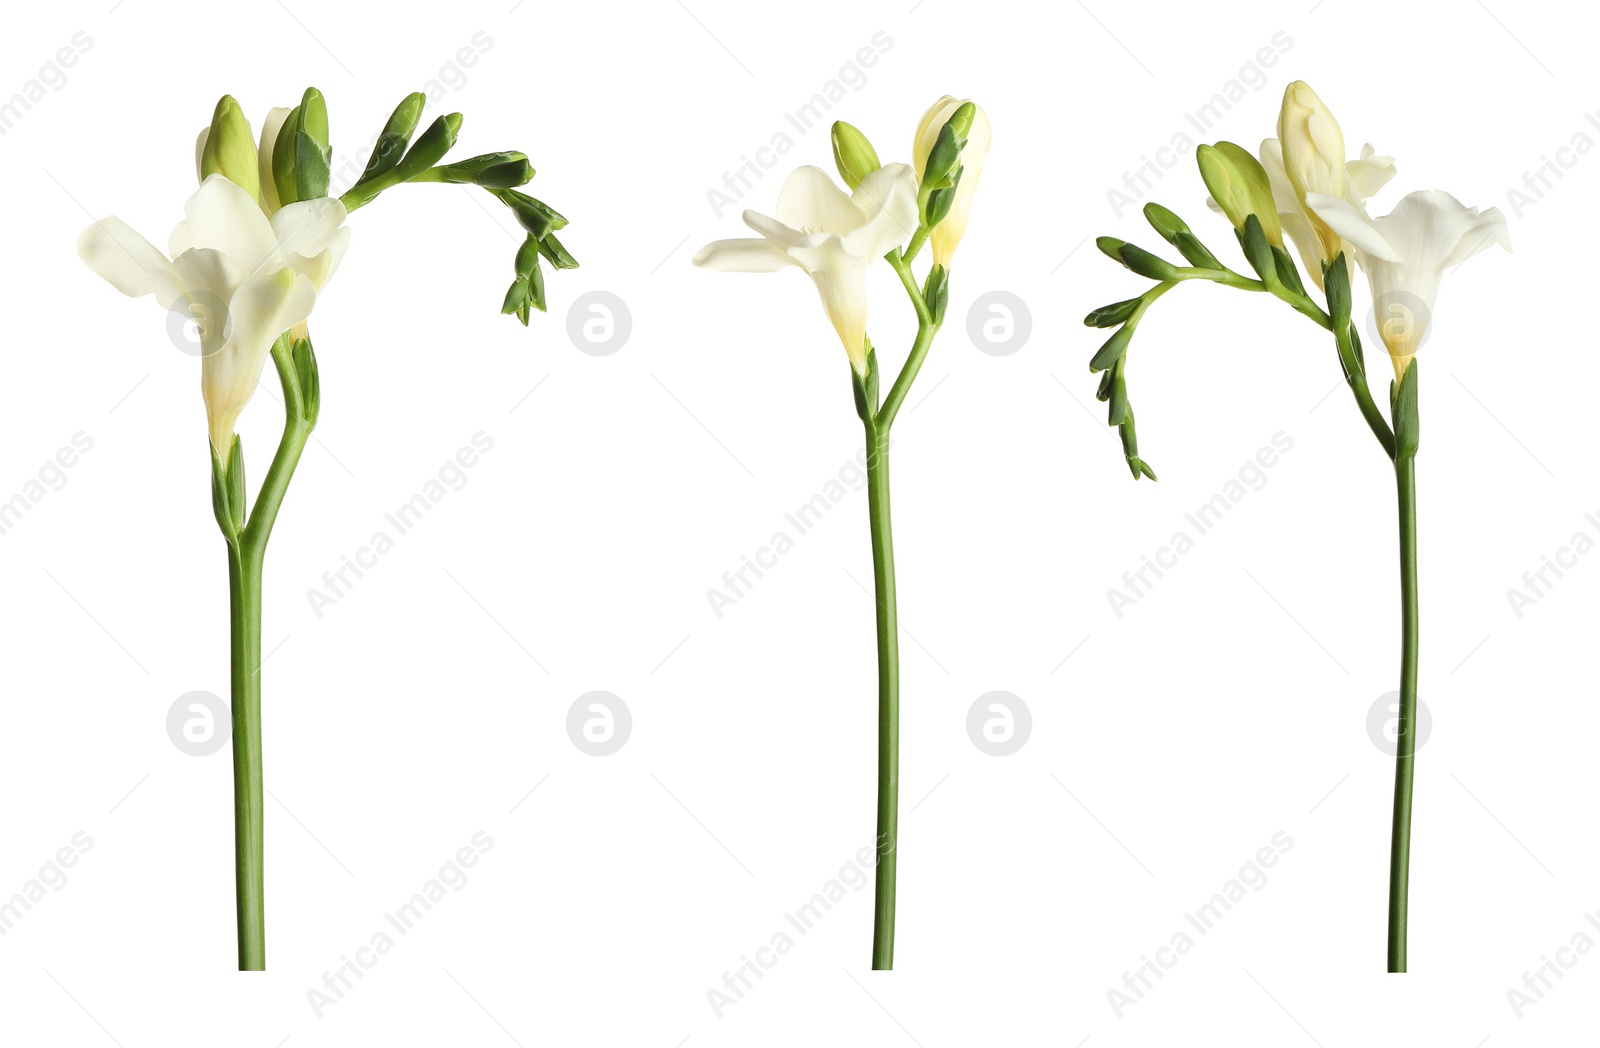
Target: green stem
[1356, 378]
[1405, 757]
[888, 695]
[244, 617]
[926, 329]
[247, 551]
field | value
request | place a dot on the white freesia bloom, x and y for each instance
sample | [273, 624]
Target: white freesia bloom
[1406, 253]
[244, 278]
[832, 236]
[948, 233]
[1363, 178]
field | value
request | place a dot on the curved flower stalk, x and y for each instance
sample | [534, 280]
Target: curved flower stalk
[1303, 186]
[259, 241]
[835, 238]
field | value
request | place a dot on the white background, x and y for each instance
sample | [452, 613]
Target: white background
[1229, 704]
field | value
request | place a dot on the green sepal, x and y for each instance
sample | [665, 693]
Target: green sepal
[1194, 252]
[936, 292]
[865, 389]
[1111, 247]
[1403, 410]
[1114, 314]
[227, 489]
[1117, 395]
[516, 300]
[311, 171]
[528, 256]
[556, 253]
[535, 216]
[305, 369]
[1257, 250]
[1336, 287]
[940, 201]
[1146, 264]
[1288, 272]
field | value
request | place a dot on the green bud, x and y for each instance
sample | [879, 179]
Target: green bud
[1239, 185]
[853, 155]
[1112, 315]
[312, 154]
[1164, 222]
[1111, 247]
[1112, 350]
[528, 256]
[491, 171]
[283, 158]
[1145, 264]
[556, 254]
[396, 135]
[428, 149]
[230, 149]
[961, 120]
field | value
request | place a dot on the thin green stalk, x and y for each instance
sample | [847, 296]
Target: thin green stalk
[888, 695]
[244, 617]
[1356, 378]
[247, 549]
[1405, 756]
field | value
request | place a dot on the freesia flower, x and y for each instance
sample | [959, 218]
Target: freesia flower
[1308, 157]
[1405, 255]
[245, 279]
[948, 233]
[832, 236]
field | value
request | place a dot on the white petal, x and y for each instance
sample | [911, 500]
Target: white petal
[210, 279]
[781, 236]
[266, 305]
[308, 227]
[319, 268]
[812, 202]
[842, 284]
[199, 150]
[1367, 175]
[1351, 223]
[748, 255]
[129, 262]
[223, 216]
[888, 199]
[269, 139]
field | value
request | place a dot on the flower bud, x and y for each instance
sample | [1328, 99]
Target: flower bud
[1313, 156]
[230, 148]
[853, 154]
[1240, 188]
[969, 135]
